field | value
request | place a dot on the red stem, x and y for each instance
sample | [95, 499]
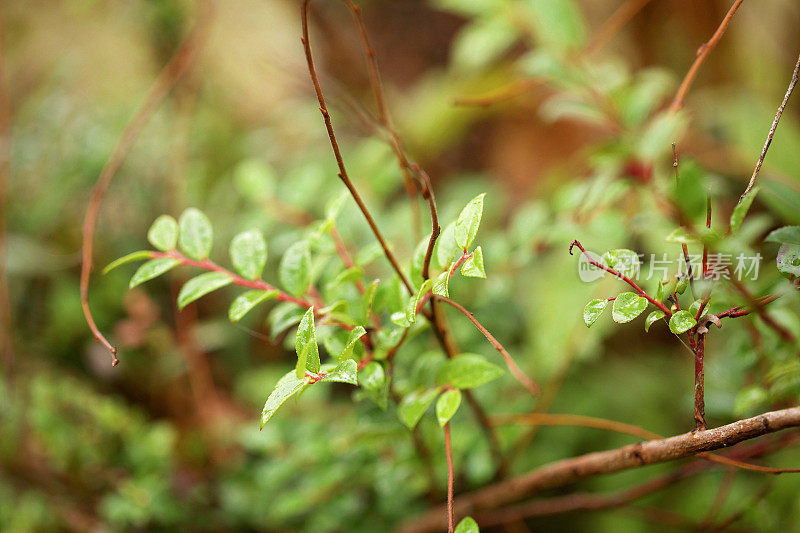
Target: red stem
[450, 479]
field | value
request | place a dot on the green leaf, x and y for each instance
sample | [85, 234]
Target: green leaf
[152, 269]
[355, 334]
[786, 234]
[682, 284]
[350, 275]
[282, 317]
[372, 377]
[660, 291]
[467, 525]
[681, 322]
[196, 235]
[245, 302]
[414, 405]
[201, 285]
[287, 386]
[788, 259]
[413, 302]
[163, 234]
[593, 310]
[627, 306]
[334, 207]
[345, 372]
[741, 209]
[134, 256]
[467, 371]
[447, 405]
[249, 253]
[681, 236]
[626, 262]
[446, 247]
[473, 267]
[294, 271]
[652, 318]
[400, 319]
[468, 222]
[441, 284]
[369, 298]
[305, 344]
[695, 307]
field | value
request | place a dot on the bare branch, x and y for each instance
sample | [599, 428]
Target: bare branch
[568, 471]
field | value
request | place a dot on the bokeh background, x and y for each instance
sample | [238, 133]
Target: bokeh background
[488, 95]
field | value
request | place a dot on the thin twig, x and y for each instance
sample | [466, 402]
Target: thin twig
[338, 155]
[702, 54]
[614, 24]
[567, 471]
[526, 382]
[172, 72]
[771, 134]
[450, 479]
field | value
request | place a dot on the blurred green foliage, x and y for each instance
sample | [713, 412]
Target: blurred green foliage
[169, 439]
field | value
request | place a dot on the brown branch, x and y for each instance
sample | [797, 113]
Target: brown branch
[568, 471]
[697, 342]
[450, 478]
[772, 128]
[702, 54]
[526, 382]
[169, 76]
[338, 154]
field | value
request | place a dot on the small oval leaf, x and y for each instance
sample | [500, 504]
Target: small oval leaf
[468, 222]
[467, 525]
[652, 318]
[627, 306]
[593, 310]
[201, 285]
[196, 235]
[467, 371]
[447, 405]
[305, 344]
[249, 253]
[134, 256]
[372, 377]
[294, 271]
[681, 322]
[414, 405]
[473, 267]
[287, 386]
[163, 234]
[152, 269]
[245, 302]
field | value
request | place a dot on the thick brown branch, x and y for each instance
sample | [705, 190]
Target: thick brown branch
[569, 471]
[702, 54]
[172, 72]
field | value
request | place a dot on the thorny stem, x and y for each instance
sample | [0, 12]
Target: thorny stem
[338, 154]
[624, 278]
[702, 54]
[771, 134]
[526, 382]
[450, 479]
[169, 76]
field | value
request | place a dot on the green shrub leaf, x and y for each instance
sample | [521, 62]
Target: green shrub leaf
[413, 302]
[467, 371]
[355, 334]
[593, 310]
[741, 209]
[473, 267]
[163, 234]
[305, 344]
[249, 253]
[447, 405]
[626, 262]
[294, 271]
[468, 222]
[201, 285]
[245, 302]
[372, 377]
[345, 372]
[446, 247]
[196, 235]
[134, 256]
[282, 317]
[287, 386]
[414, 405]
[786, 234]
[152, 269]
[467, 525]
[627, 306]
[652, 318]
[681, 322]
[442, 283]
[788, 259]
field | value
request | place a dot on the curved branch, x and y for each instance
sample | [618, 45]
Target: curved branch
[567, 471]
[169, 76]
